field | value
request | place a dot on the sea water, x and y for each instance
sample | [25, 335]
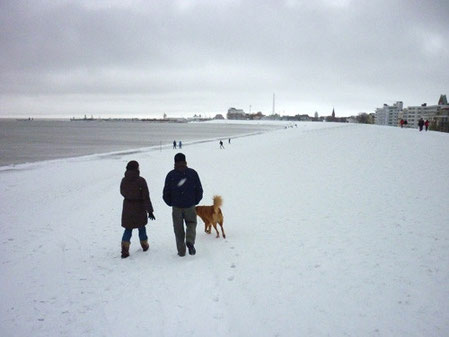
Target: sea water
[24, 141]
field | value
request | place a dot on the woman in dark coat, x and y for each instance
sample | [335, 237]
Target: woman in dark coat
[136, 205]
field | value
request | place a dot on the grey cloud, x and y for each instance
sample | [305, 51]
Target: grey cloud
[349, 52]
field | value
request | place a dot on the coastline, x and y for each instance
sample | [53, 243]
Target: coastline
[102, 155]
[264, 127]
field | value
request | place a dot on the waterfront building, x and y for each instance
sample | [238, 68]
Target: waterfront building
[234, 113]
[441, 120]
[427, 112]
[389, 114]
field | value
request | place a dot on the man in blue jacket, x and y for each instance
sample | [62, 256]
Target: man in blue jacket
[182, 192]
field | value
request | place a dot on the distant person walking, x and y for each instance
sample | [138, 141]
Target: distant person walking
[183, 191]
[426, 124]
[180, 144]
[401, 123]
[174, 144]
[221, 144]
[420, 124]
[136, 205]
[229, 141]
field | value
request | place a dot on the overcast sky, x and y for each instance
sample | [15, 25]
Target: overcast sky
[146, 58]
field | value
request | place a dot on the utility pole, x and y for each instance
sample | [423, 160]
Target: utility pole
[274, 99]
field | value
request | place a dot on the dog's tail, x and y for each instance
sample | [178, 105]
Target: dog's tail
[218, 201]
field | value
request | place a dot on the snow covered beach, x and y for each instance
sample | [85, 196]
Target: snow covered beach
[332, 230]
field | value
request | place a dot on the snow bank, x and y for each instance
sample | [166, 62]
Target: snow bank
[332, 230]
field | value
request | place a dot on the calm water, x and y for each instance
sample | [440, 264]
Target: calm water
[30, 141]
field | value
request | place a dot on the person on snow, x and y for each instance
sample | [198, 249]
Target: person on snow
[426, 124]
[421, 124]
[136, 206]
[183, 191]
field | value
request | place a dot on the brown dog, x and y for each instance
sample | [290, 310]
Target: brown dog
[211, 215]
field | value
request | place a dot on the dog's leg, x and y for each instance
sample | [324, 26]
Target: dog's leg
[222, 230]
[215, 226]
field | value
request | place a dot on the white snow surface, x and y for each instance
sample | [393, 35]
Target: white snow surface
[332, 230]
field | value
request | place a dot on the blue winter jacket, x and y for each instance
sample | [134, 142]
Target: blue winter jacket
[182, 187]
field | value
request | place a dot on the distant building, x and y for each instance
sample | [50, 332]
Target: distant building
[316, 118]
[304, 118]
[332, 118]
[299, 118]
[389, 114]
[440, 121]
[413, 113]
[257, 116]
[219, 116]
[234, 113]
[273, 117]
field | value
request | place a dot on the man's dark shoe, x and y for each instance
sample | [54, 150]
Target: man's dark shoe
[192, 250]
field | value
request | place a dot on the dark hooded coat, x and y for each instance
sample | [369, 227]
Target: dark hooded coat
[182, 187]
[136, 203]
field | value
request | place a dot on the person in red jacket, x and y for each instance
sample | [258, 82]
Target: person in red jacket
[426, 124]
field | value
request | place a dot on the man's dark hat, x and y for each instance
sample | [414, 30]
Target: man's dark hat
[180, 157]
[132, 165]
